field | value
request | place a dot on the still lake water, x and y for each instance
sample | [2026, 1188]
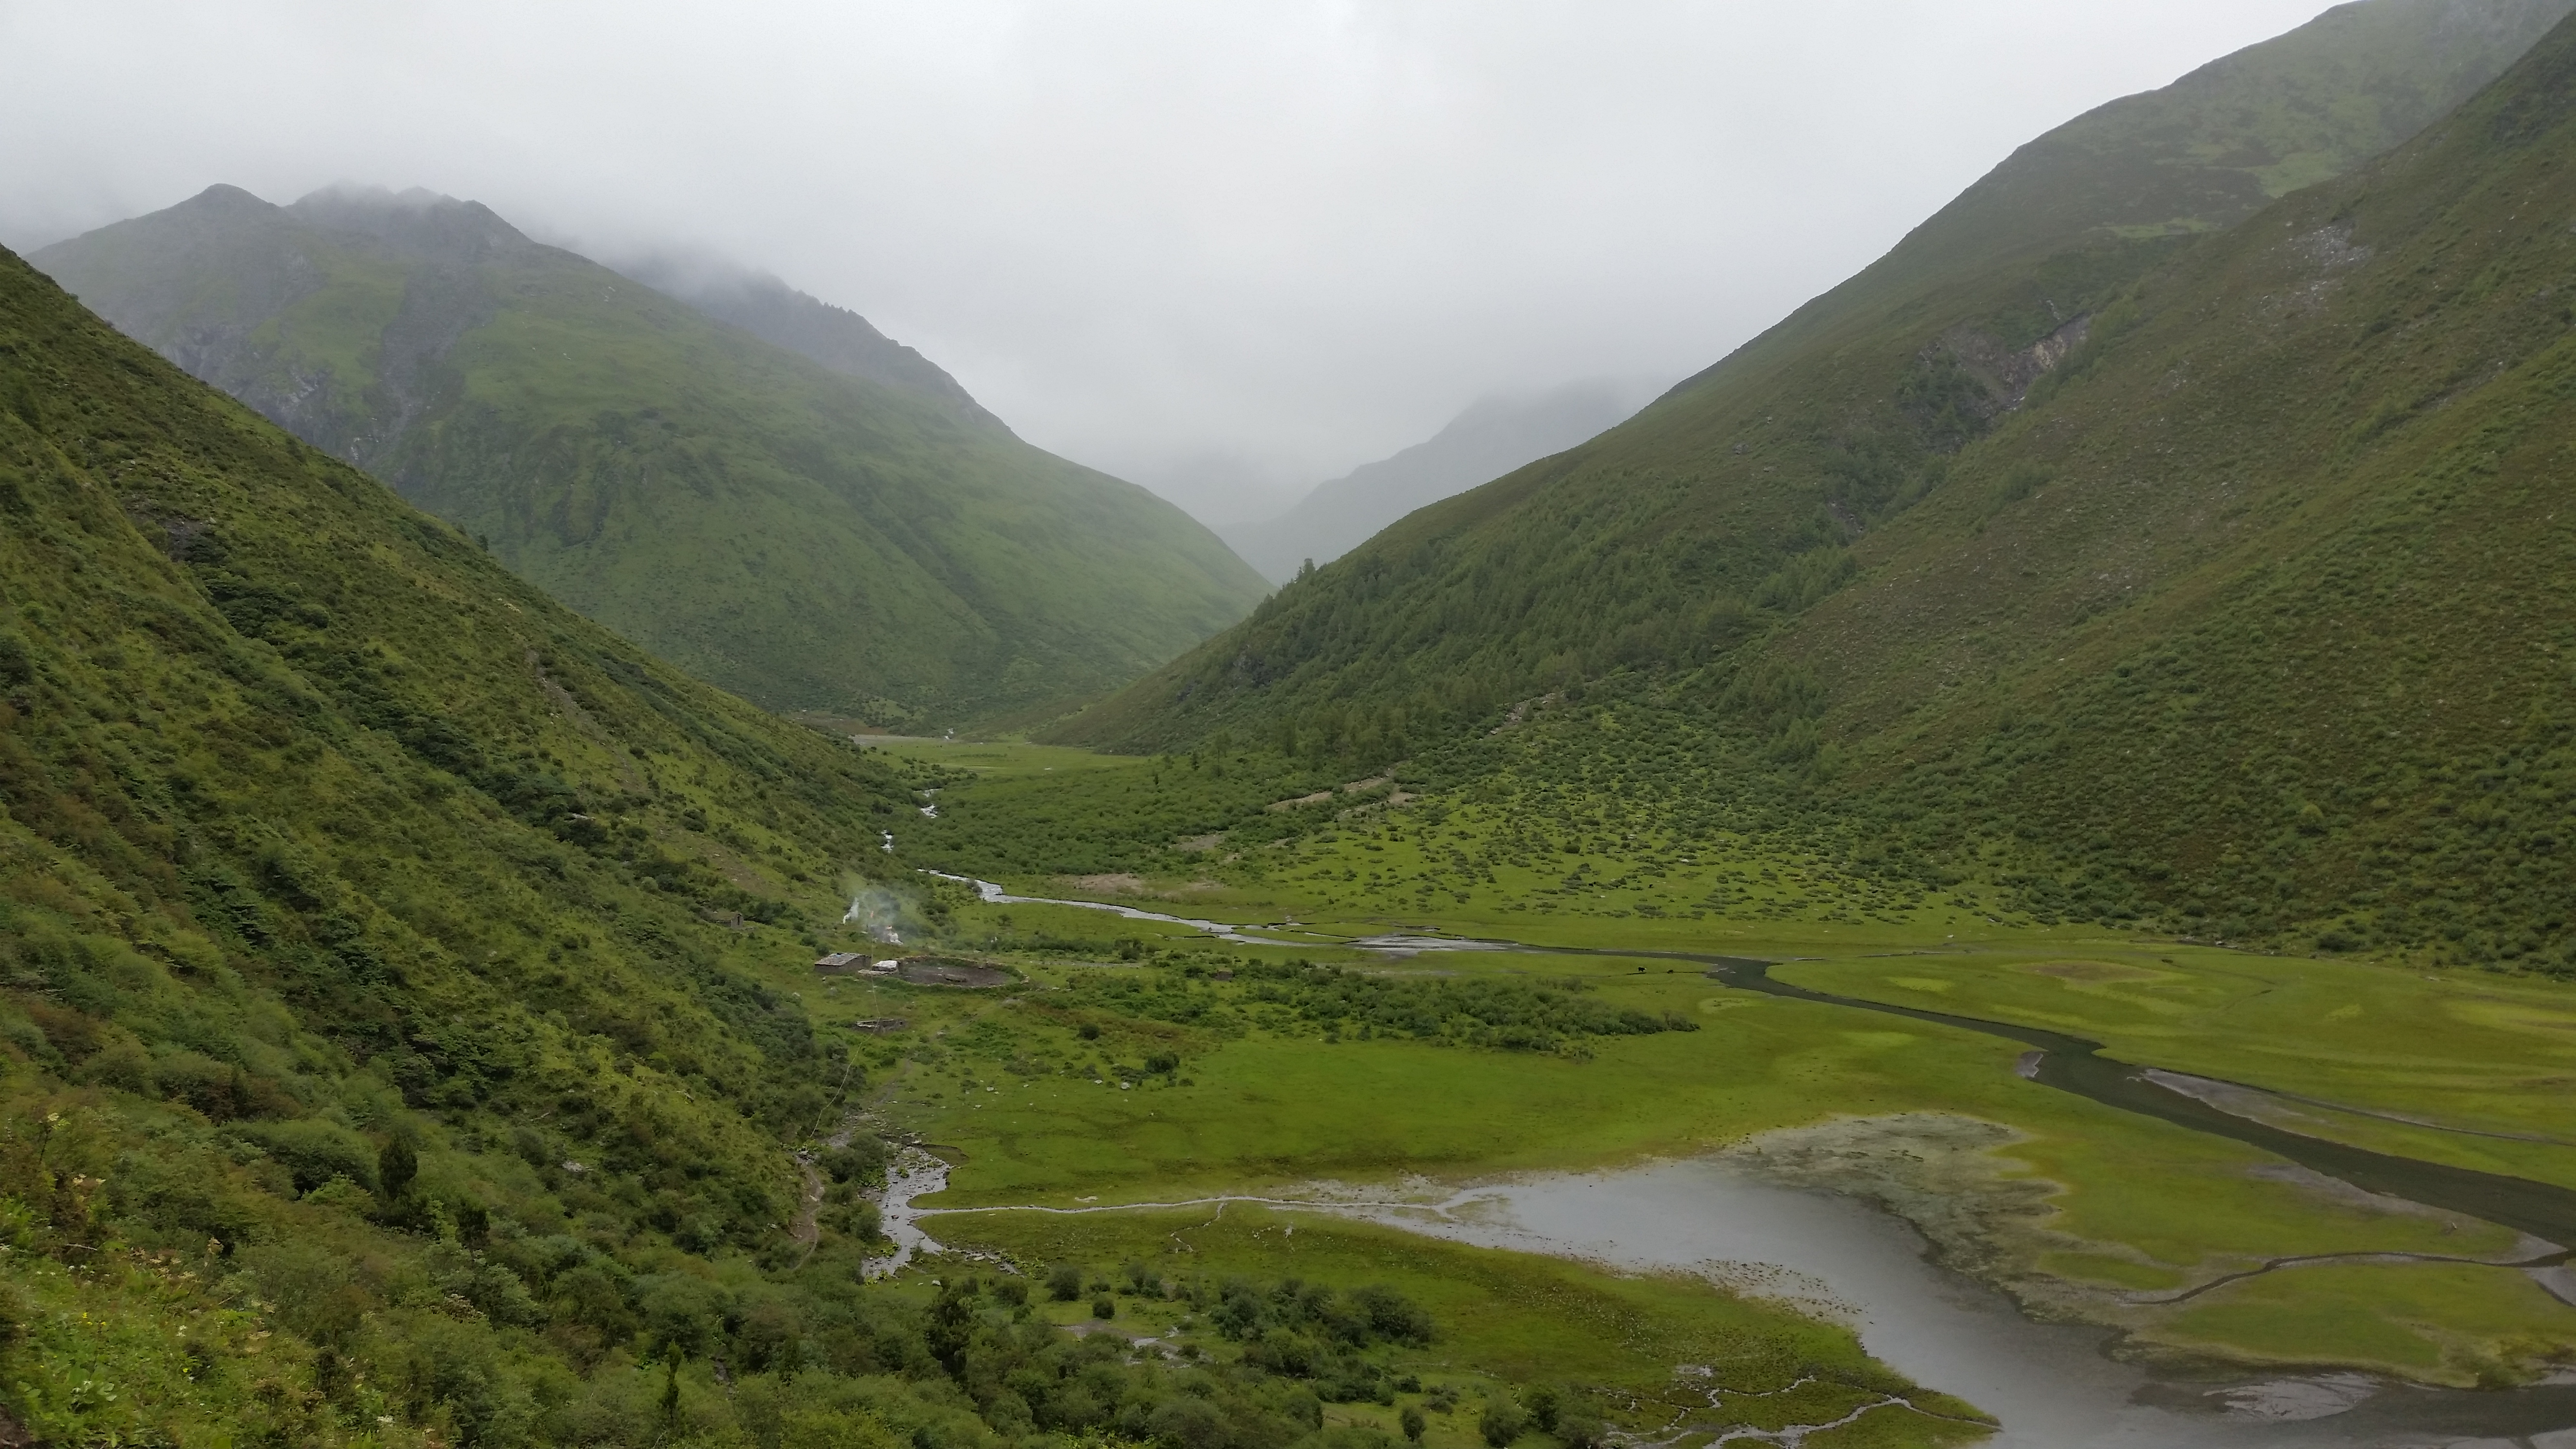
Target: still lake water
[2053, 1386]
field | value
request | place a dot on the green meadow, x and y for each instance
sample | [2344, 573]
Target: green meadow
[1506, 1318]
[1043, 1095]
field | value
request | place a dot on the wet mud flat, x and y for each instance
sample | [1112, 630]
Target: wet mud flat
[952, 971]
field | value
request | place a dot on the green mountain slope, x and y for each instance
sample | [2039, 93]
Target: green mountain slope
[2267, 610]
[322, 831]
[805, 537]
[1733, 502]
[387, 1054]
[2249, 619]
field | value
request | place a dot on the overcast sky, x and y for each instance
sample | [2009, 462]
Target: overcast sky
[1210, 245]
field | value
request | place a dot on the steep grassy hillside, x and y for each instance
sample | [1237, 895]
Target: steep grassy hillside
[1733, 503]
[2267, 606]
[2249, 620]
[808, 538]
[323, 833]
[394, 1041]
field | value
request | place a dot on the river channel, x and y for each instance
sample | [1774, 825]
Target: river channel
[2053, 1386]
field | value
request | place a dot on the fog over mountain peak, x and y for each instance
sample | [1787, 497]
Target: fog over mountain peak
[767, 307]
[1150, 235]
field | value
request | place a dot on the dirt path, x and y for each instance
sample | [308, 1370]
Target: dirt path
[808, 1232]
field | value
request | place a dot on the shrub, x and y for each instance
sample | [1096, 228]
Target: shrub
[344, 1195]
[863, 1161]
[1189, 1423]
[396, 1165]
[864, 1221]
[831, 1429]
[681, 1312]
[1393, 1316]
[313, 1150]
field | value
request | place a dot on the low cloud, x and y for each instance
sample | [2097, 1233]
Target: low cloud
[1221, 247]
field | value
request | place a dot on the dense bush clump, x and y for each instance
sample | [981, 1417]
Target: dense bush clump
[1510, 1012]
[1501, 1011]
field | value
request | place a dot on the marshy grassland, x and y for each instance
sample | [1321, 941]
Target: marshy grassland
[1147, 1063]
[1506, 1318]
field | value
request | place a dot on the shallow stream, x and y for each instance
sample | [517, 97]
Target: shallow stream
[993, 895]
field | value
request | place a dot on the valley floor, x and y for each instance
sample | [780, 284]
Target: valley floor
[1143, 1062]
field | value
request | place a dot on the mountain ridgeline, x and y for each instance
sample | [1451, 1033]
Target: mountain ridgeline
[778, 314]
[765, 492]
[1486, 441]
[2206, 540]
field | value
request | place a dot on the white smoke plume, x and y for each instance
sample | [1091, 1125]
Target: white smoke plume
[877, 911]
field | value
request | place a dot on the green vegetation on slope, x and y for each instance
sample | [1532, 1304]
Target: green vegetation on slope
[2282, 638]
[807, 538]
[325, 837]
[399, 1041]
[2245, 616]
[1731, 503]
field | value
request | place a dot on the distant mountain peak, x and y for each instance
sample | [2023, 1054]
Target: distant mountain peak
[1492, 436]
[223, 198]
[415, 222]
[841, 530]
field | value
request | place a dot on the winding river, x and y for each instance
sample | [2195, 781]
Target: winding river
[2072, 1064]
[2053, 1386]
